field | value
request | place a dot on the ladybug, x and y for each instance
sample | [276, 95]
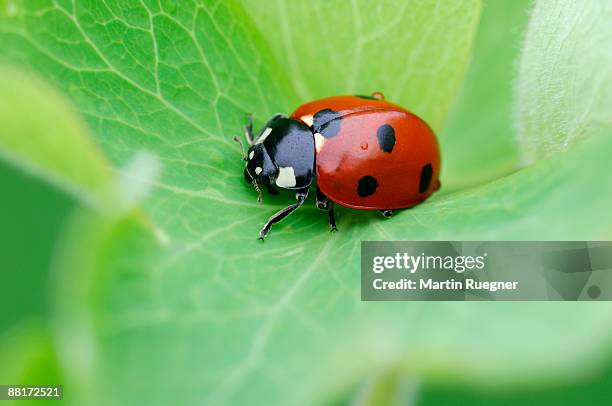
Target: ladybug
[365, 153]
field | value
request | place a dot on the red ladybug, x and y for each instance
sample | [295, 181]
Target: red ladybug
[367, 154]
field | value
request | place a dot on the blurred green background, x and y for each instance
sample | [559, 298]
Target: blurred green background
[127, 285]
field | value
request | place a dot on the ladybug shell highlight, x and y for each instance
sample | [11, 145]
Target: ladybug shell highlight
[371, 154]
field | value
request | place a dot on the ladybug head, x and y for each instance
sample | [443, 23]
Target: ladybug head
[259, 170]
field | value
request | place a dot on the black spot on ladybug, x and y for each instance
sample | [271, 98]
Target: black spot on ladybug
[361, 96]
[367, 186]
[327, 123]
[426, 173]
[386, 137]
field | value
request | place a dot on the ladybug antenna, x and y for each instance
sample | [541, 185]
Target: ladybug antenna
[255, 185]
[259, 194]
[244, 157]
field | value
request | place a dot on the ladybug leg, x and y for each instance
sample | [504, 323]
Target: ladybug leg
[300, 196]
[331, 217]
[323, 203]
[387, 213]
[248, 129]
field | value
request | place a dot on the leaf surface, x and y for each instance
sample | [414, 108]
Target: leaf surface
[42, 135]
[260, 323]
[479, 143]
[191, 307]
[415, 52]
[564, 89]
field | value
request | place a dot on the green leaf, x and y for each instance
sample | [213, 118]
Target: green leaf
[191, 308]
[27, 349]
[258, 323]
[414, 51]
[483, 117]
[564, 89]
[28, 358]
[42, 135]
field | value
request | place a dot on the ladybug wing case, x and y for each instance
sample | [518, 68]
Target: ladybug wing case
[374, 155]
